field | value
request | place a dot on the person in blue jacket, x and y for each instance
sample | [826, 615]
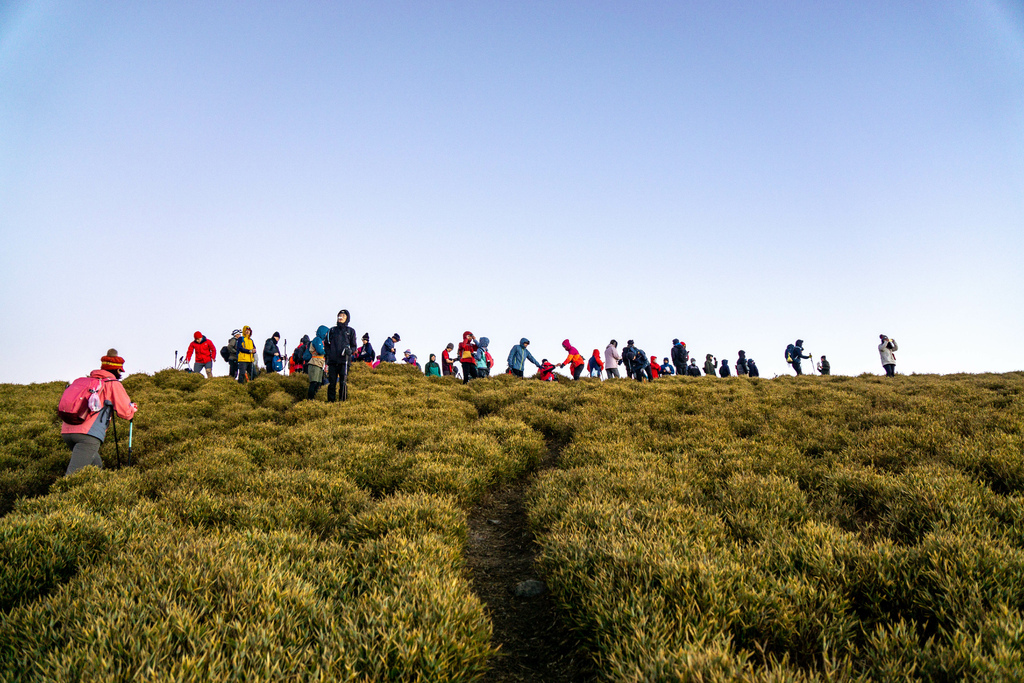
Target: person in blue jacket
[316, 361]
[518, 356]
[387, 351]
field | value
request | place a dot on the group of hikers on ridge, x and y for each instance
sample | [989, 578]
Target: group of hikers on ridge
[89, 404]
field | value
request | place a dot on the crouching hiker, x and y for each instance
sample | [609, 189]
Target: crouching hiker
[315, 361]
[86, 408]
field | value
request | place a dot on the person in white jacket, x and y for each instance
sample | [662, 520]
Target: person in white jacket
[887, 349]
[611, 359]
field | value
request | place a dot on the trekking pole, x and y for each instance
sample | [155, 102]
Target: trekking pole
[175, 360]
[284, 360]
[131, 432]
[117, 446]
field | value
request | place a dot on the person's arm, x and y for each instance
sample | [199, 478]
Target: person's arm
[532, 359]
[188, 354]
[213, 350]
[118, 397]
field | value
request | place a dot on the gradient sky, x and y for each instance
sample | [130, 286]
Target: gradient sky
[733, 174]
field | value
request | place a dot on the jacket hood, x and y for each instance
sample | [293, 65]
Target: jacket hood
[321, 332]
[524, 341]
[483, 342]
[566, 345]
[102, 374]
[348, 316]
[305, 339]
[466, 335]
[246, 328]
[597, 354]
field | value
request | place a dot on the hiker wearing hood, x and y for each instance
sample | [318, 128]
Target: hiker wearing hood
[246, 348]
[724, 370]
[752, 368]
[85, 439]
[574, 360]
[484, 361]
[518, 355]
[679, 355]
[315, 359]
[794, 354]
[432, 369]
[692, 370]
[594, 364]
[741, 364]
[887, 352]
[387, 351]
[666, 368]
[339, 347]
[365, 353]
[447, 364]
[296, 364]
[611, 359]
[655, 368]
[467, 347]
[710, 365]
[272, 353]
[205, 353]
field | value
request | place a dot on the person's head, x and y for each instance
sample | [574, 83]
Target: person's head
[708, 357]
[693, 361]
[305, 339]
[543, 361]
[433, 357]
[276, 336]
[629, 342]
[246, 331]
[524, 342]
[743, 354]
[823, 357]
[236, 333]
[112, 363]
[407, 353]
[343, 316]
[799, 342]
[450, 346]
[654, 359]
[613, 343]
[198, 336]
[396, 337]
[883, 337]
[467, 335]
[725, 361]
[366, 337]
[674, 342]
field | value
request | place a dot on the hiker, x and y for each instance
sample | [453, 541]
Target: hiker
[635, 360]
[594, 364]
[886, 350]
[573, 359]
[692, 370]
[232, 353]
[272, 354]
[794, 353]
[824, 367]
[466, 350]
[667, 368]
[679, 355]
[741, 364]
[710, 365]
[432, 369]
[483, 358]
[629, 358]
[447, 364]
[518, 355]
[387, 351]
[84, 439]
[297, 362]
[546, 371]
[655, 368]
[340, 344]
[724, 370]
[365, 353]
[246, 348]
[315, 359]
[409, 357]
[752, 368]
[611, 359]
[205, 353]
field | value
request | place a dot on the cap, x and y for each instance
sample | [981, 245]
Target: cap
[397, 336]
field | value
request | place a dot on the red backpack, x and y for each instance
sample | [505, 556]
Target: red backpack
[79, 400]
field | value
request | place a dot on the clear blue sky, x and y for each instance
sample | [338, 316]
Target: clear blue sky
[733, 174]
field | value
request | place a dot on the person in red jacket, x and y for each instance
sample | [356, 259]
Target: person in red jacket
[655, 368]
[546, 371]
[446, 360]
[467, 347]
[574, 360]
[205, 353]
[85, 439]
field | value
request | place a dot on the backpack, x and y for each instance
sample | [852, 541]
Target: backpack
[299, 354]
[790, 353]
[225, 354]
[277, 365]
[79, 400]
[641, 359]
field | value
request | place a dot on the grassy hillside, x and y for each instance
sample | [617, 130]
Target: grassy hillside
[771, 529]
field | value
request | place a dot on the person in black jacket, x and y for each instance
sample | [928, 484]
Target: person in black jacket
[679, 356]
[741, 364]
[366, 354]
[752, 368]
[338, 349]
[692, 370]
[271, 351]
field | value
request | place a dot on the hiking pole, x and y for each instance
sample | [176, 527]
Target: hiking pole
[131, 431]
[117, 446]
[284, 360]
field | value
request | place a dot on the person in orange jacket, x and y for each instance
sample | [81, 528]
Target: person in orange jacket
[574, 360]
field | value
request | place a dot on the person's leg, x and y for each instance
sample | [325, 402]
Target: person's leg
[209, 371]
[332, 382]
[797, 368]
[517, 373]
[244, 370]
[577, 371]
[233, 369]
[343, 378]
[613, 372]
[468, 372]
[890, 370]
[85, 450]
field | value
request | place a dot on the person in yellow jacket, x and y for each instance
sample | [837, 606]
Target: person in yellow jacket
[246, 355]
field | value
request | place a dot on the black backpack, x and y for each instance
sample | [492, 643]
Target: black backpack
[225, 354]
[791, 353]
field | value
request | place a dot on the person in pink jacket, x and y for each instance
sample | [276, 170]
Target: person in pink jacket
[85, 439]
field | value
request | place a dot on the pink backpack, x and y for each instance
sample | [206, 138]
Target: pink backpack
[80, 399]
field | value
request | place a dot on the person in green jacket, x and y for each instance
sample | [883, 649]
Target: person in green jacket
[432, 369]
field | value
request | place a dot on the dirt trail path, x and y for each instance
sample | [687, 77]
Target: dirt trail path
[501, 554]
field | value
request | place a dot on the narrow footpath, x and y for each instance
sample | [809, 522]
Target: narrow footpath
[501, 557]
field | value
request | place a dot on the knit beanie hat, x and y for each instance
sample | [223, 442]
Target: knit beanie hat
[112, 361]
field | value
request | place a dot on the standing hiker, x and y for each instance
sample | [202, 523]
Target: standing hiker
[86, 408]
[365, 353]
[794, 353]
[824, 367]
[432, 369]
[887, 351]
[205, 353]
[710, 365]
[752, 368]
[340, 344]
[232, 353]
[447, 364]
[483, 357]
[518, 355]
[667, 368]
[387, 351]
[246, 355]
[692, 370]
[594, 364]
[655, 368]
[574, 360]
[724, 370]
[297, 361]
[741, 364]
[272, 354]
[679, 355]
[629, 358]
[315, 358]
[466, 350]
[611, 359]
